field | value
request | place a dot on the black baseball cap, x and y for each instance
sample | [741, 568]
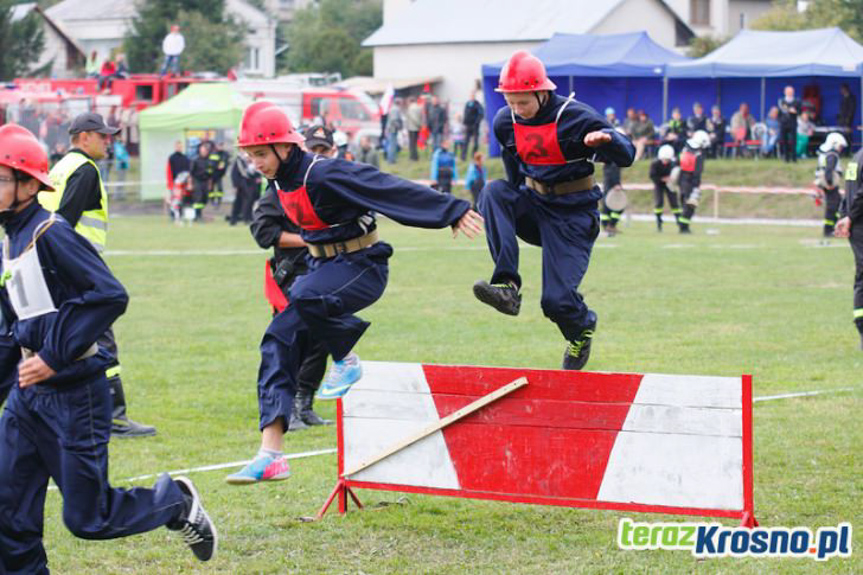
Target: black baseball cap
[91, 122]
[318, 136]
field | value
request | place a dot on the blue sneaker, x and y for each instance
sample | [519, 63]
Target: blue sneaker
[262, 468]
[341, 377]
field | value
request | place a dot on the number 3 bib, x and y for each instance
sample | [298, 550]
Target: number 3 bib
[538, 145]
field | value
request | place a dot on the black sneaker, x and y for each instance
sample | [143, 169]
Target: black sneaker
[197, 529]
[125, 427]
[502, 297]
[578, 351]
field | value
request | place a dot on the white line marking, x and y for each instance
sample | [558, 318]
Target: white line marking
[218, 466]
[802, 394]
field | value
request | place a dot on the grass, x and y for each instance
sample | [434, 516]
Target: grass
[758, 300]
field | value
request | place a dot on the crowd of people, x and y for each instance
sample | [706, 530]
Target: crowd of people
[785, 132]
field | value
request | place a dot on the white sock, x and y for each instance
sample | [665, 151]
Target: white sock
[264, 452]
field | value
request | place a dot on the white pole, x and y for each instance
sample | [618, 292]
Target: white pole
[665, 97]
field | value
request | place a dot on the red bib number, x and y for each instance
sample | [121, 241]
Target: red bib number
[299, 210]
[538, 145]
[687, 161]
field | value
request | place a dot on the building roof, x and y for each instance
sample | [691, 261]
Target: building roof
[21, 11]
[460, 21]
[69, 10]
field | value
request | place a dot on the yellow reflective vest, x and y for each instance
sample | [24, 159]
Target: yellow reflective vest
[93, 224]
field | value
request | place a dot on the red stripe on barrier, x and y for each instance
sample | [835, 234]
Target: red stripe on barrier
[544, 383]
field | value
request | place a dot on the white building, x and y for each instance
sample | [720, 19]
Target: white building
[284, 10]
[101, 25]
[719, 18]
[61, 52]
[452, 39]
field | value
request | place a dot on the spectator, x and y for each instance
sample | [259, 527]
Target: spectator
[93, 65]
[742, 123]
[716, 126]
[847, 109]
[675, 131]
[173, 45]
[789, 107]
[366, 154]
[414, 123]
[320, 140]
[805, 129]
[438, 120]
[121, 159]
[443, 168]
[611, 117]
[643, 132]
[394, 126]
[58, 153]
[771, 132]
[476, 177]
[106, 75]
[247, 182]
[122, 69]
[630, 121]
[696, 121]
[458, 135]
[473, 113]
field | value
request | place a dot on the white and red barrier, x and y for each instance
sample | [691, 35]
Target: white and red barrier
[638, 442]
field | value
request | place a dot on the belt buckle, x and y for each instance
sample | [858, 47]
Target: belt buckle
[340, 248]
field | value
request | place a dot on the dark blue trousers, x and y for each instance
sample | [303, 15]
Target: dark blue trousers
[564, 226]
[64, 435]
[321, 307]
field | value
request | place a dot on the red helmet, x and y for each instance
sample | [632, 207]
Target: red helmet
[524, 72]
[265, 123]
[20, 150]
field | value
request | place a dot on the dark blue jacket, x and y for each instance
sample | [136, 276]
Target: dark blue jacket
[87, 296]
[345, 194]
[577, 120]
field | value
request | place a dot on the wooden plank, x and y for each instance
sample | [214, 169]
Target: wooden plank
[372, 404]
[455, 416]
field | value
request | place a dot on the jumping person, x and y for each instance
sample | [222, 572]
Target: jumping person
[660, 175]
[58, 298]
[828, 176]
[83, 202]
[333, 201]
[549, 198]
[691, 168]
[850, 225]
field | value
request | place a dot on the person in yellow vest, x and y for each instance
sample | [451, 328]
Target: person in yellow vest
[81, 199]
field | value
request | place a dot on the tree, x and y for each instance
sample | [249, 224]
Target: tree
[784, 15]
[703, 45]
[214, 42]
[21, 42]
[327, 37]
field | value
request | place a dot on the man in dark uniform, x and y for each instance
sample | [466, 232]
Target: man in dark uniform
[691, 168]
[83, 202]
[247, 183]
[789, 107]
[611, 181]
[57, 297]
[178, 174]
[850, 225]
[472, 120]
[202, 179]
[219, 158]
[828, 176]
[549, 198]
[660, 175]
[334, 202]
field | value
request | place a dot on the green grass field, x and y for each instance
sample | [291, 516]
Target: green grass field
[759, 300]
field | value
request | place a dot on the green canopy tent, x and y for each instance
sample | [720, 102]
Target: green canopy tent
[206, 106]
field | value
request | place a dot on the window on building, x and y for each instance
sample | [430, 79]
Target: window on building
[699, 12]
[253, 59]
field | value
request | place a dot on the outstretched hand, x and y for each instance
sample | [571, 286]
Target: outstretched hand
[470, 224]
[596, 139]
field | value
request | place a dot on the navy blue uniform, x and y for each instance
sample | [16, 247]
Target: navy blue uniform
[566, 226]
[339, 199]
[610, 179]
[59, 428]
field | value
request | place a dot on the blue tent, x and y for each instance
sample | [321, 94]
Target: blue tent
[755, 66]
[617, 70]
